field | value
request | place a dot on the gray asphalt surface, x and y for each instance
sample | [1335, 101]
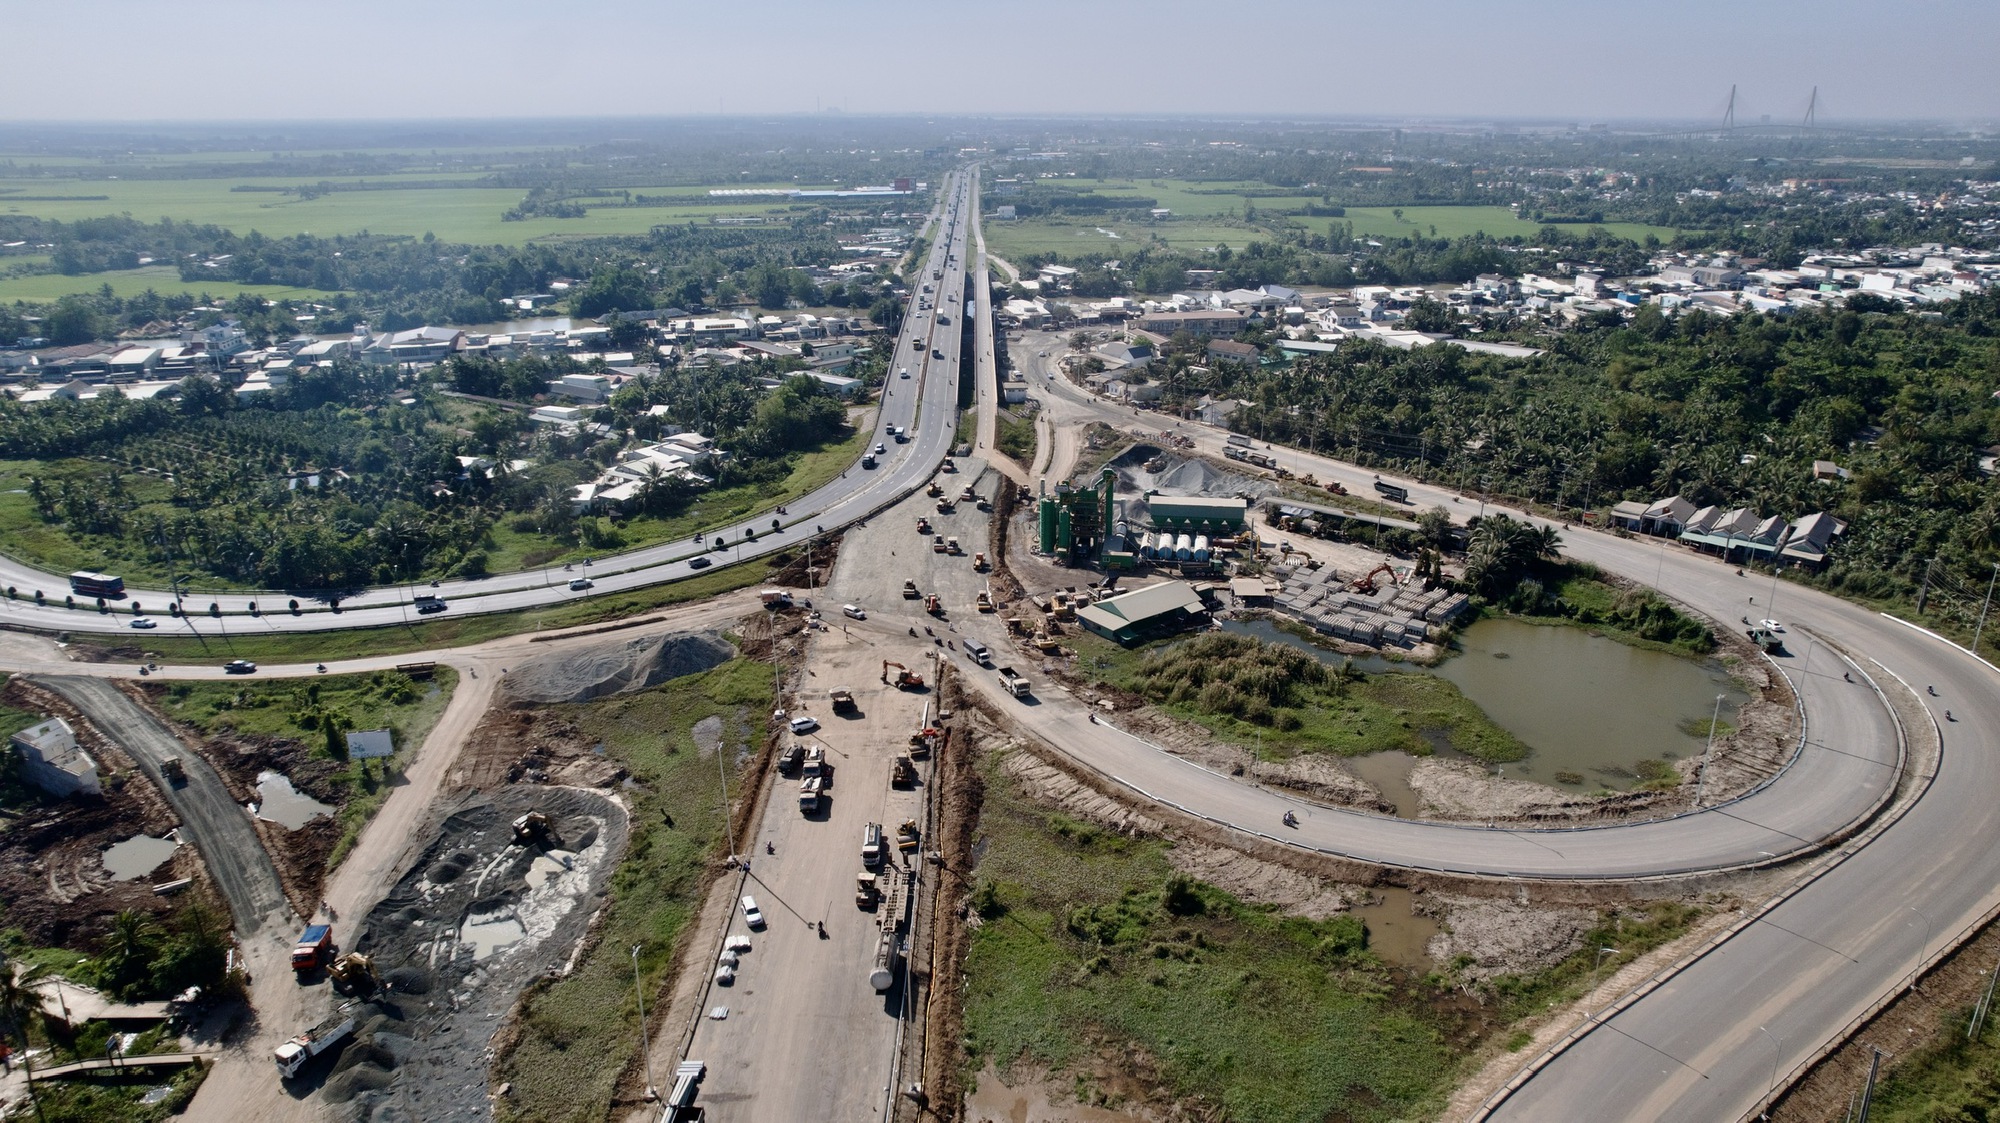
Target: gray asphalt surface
[219, 828]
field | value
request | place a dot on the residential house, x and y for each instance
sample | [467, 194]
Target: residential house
[1210, 322]
[53, 761]
[1230, 351]
[1810, 538]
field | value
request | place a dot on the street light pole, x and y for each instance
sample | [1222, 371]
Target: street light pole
[1701, 781]
[1928, 926]
[645, 1046]
[1777, 1051]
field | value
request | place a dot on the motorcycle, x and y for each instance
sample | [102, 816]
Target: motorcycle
[1291, 820]
[322, 668]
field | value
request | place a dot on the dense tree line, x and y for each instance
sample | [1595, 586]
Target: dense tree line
[1720, 410]
[331, 484]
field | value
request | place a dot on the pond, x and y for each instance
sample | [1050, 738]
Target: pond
[137, 856]
[1588, 707]
[284, 804]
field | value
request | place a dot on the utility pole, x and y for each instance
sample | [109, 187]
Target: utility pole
[1924, 589]
[1984, 1005]
[1988, 603]
[639, 990]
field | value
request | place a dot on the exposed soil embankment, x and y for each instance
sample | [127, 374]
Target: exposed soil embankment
[52, 875]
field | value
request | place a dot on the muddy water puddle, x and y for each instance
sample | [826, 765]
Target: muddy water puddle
[1588, 707]
[138, 856]
[488, 933]
[1396, 933]
[284, 804]
[1030, 1100]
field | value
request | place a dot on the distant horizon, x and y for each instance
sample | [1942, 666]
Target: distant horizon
[1554, 60]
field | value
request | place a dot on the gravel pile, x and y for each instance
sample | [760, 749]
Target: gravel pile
[615, 668]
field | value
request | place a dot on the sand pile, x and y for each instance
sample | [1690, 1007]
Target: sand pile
[615, 667]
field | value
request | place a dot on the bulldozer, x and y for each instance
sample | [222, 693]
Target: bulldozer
[531, 828]
[904, 774]
[906, 679]
[354, 973]
[1044, 642]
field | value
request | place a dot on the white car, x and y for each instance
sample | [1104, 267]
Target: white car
[752, 915]
[144, 622]
[880, 450]
[1771, 625]
[804, 724]
[579, 584]
[905, 373]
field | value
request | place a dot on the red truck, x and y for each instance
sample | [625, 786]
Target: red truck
[314, 950]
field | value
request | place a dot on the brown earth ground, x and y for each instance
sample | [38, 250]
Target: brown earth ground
[52, 875]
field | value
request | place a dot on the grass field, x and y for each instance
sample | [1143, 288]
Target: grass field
[578, 1034]
[163, 279]
[1064, 235]
[454, 214]
[1373, 713]
[1092, 945]
[1457, 222]
[382, 700]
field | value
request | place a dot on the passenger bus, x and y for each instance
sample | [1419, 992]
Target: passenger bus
[1239, 440]
[86, 584]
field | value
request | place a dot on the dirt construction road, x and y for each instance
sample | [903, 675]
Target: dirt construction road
[219, 829]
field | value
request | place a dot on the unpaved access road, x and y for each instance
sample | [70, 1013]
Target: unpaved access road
[219, 828]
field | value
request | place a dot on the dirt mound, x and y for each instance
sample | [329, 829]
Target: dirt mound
[615, 668]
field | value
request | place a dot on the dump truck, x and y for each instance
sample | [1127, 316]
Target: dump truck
[1015, 684]
[903, 773]
[354, 973]
[530, 827]
[907, 836]
[865, 892]
[871, 845]
[933, 605]
[314, 949]
[910, 590]
[814, 763]
[1061, 607]
[793, 756]
[293, 1054]
[172, 772]
[843, 700]
[983, 601]
[775, 598]
[811, 789]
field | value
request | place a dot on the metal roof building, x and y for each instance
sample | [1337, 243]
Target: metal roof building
[1141, 613]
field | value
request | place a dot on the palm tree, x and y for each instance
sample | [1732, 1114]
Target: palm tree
[19, 998]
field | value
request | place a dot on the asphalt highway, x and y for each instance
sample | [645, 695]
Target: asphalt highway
[928, 349]
[1706, 1043]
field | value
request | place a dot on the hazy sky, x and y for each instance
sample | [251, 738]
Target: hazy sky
[1567, 59]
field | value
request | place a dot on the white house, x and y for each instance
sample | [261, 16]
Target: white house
[53, 761]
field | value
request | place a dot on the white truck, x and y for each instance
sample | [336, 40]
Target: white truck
[293, 1054]
[1015, 684]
